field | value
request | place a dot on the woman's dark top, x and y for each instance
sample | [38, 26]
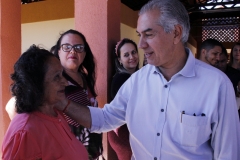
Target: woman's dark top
[119, 138]
[92, 141]
[117, 82]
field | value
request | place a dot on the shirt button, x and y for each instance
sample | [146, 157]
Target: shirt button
[158, 134]
[59, 120]
[155, 158]
[165, 86]
[162, 110]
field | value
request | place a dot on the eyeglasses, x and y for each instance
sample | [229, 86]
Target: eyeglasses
[79, 48]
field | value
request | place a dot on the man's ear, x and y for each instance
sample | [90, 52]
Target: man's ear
[177, 33]
[203, 52]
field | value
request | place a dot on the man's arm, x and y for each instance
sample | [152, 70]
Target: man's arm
[76, 111]
[226, 137]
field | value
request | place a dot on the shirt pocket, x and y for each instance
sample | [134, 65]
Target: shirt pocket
[191, 131]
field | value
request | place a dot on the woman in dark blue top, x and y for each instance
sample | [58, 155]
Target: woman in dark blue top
[126, 63]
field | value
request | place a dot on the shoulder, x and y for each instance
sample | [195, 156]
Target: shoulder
[19, 137]
[232, 70]
[20, 121]
[233, 74]
[24, 123]
[17, 128]
[145, 71]
[206, 68]
[120, 77]
[201, 70]
[210, 73]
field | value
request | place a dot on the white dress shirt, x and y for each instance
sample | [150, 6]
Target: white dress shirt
[193, 116]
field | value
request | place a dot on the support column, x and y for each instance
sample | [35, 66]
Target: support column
[10, 49]
[99, 21]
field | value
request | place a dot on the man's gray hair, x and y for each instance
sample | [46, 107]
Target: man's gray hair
[172, 12]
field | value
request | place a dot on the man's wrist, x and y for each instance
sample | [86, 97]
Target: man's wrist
[65, 108]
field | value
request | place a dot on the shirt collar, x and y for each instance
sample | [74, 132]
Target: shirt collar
[189, 68]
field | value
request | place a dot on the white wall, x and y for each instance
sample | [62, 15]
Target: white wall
[44, 34]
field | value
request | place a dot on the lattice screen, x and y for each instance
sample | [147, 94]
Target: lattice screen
[222, 29]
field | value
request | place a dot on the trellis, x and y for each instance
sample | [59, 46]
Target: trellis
[223, 29]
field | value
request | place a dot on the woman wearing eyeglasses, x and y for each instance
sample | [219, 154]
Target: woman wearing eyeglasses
[79, 69]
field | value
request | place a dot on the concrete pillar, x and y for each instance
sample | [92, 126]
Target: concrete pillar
[99, 21]
[10, 48]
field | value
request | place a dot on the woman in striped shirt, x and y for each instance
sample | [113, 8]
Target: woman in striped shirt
[79, 69]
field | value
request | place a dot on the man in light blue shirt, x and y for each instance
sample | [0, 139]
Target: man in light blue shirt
[176, 107]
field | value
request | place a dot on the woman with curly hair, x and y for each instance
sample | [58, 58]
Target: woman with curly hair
[39, 131]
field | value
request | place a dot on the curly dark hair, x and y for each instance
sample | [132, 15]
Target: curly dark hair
[28, 79]
[118, 66]
[87, 68]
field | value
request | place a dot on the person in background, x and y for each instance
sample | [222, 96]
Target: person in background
[235, 56]
[126, 63]
[210, 51]
[78, 63]
[175, 108]
[232, 73]
[39, 131]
